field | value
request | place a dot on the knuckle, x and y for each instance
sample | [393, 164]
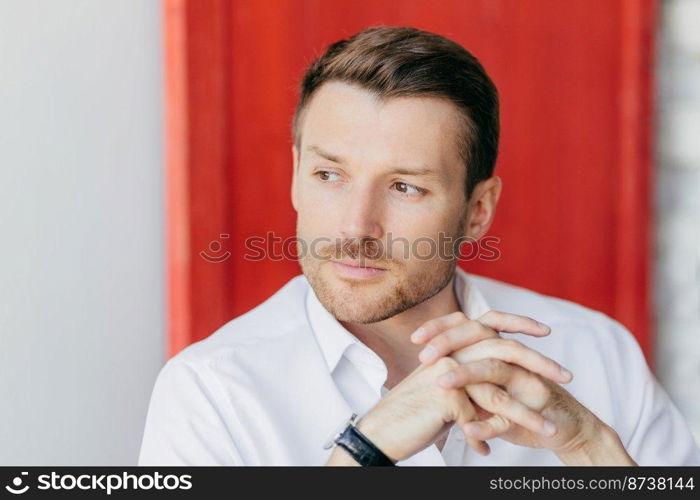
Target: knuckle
[462, 334]
[509, 321]
[470, 323]
[472, 327]
[544, 386]
[533, 383]
[510, 346]
[492, 365]
[510, 343]
[439, 342]
[428, 327]
[446, 364]
[500, 423]
[457, 315]
[536, 384]
[500, 398]
[487, 331]
[490, 314]
[431, 324]
[437, 323]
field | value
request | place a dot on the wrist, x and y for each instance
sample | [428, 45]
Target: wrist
[602, 447]
[341, 457]
[374, 432]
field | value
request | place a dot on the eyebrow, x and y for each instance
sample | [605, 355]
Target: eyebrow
[400, 170]
[323, 154]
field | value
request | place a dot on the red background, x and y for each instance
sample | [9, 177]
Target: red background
[574, 81]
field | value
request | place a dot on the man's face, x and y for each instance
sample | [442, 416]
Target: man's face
[376, 185]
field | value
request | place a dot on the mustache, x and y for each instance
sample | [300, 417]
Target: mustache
[363, 249]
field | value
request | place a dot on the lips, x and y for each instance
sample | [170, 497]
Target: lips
[356, 263]
[352, 269]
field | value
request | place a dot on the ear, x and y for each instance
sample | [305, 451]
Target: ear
[482, 207]
[295, 167]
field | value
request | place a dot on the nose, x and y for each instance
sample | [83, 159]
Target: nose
[361, 214]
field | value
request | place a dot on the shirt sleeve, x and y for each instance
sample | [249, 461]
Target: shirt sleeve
[659, 433]
[184, 424]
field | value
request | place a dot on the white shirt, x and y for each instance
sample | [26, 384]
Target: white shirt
[270, 387]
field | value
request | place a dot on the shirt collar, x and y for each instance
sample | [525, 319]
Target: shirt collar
[334, 339]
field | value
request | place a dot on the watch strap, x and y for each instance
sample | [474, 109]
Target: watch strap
[362, 449]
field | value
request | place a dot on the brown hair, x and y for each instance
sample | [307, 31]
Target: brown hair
[404, 61]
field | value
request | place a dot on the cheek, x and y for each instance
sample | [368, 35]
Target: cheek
[318, 204]
[314, 220]
[416, 239]
[315, 192]
[412, 239]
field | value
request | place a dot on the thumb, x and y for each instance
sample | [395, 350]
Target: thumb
[465, 413]
[489, 428]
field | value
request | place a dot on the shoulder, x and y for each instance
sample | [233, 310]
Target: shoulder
[548, 309]
[280, 319]
[576, 329]
[211, 387]
[520, 300]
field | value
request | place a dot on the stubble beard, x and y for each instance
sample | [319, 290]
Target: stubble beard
[369, 302]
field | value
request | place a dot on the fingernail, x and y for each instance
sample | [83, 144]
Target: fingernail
[428, 354]
[446, 378]
[566, 373]
[418, 335]
[543, 327]
[549, 428]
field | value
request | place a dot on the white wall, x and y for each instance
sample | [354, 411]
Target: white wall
[81, 222]
[678, 207]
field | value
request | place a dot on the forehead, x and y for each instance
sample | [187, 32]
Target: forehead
[353, 123]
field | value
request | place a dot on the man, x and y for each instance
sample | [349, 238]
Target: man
[395, 141]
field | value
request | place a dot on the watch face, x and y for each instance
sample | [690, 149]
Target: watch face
[338, 431]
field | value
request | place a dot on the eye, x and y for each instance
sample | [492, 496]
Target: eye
[408, 189]
[326, 175]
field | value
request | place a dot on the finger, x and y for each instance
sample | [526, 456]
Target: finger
[455, 338]
[508, 410]
[481, 447]
[490, 370]
[481, 379]
[524, 386]
[466, 412]
[496, 320]
[436, 325]
[512, 351]
[513, 323]
[493, 427]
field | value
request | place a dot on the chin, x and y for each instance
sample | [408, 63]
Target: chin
[373, 300]
[358, 313]
[362, 304]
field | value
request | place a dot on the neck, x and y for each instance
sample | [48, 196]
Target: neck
[390, 339]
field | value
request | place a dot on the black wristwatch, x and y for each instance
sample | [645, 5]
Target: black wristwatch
[359, 446]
